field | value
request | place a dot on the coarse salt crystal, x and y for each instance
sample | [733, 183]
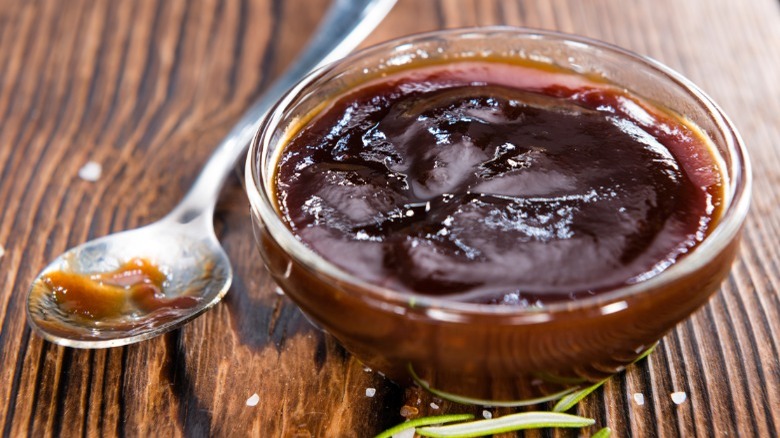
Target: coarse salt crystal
[434, 405]
[91, 171]
[487, 414]
[253, 400]
[679, 397]
[279, 291]
[639, 398]
[2, 251]
[370, 392]
[367, 369]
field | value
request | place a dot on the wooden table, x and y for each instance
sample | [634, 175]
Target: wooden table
[146, 88]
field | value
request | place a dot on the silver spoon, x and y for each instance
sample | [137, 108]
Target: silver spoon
[183, 243]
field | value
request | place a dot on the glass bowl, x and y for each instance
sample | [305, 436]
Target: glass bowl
[482, 351]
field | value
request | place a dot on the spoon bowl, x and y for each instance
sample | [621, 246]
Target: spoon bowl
[188, 253]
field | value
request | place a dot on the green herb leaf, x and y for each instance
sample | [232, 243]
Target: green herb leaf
[482, 402]
[569, 400]
[424, 421]
[646, 353]
[507, 423]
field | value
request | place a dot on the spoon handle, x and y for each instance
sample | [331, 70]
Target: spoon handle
[345, 25]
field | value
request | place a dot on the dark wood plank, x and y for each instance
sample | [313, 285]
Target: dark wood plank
[146, 88]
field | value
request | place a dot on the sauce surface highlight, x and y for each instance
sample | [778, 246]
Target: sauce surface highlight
[493, 183]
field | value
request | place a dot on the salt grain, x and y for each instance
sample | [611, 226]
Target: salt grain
[2, 251]
[91, 171]
[434, 405]
[639, 398]
[370, 392]
[253, 400]
[487, 414]
[279, 291]
[679, 397]
[367, 369]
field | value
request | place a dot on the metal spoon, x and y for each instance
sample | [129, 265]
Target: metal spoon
[183, 243]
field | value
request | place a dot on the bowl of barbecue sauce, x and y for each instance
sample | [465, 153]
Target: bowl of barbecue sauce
[497, 213]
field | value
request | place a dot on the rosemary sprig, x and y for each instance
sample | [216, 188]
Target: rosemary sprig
[507, 423]
[481, 402]
[424, 421]
[646, 353]
[569, 400]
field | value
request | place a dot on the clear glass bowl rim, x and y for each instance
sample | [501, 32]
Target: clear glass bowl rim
[725, 231]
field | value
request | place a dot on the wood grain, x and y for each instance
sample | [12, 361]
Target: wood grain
[147, 87]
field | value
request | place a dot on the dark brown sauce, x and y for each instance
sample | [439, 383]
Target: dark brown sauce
[134, 288]
[498, 190]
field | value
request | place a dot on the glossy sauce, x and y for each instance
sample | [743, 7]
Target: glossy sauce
[495, 183]
[134, 289]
